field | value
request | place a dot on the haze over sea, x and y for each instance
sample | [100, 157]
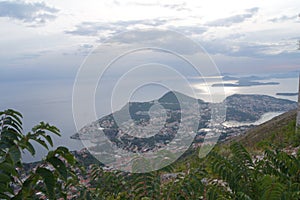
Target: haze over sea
[51, 101]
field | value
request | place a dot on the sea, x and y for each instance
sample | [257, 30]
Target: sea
[51, 101]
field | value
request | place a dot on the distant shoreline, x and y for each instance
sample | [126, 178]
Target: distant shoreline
[244, 84]
[286, 94]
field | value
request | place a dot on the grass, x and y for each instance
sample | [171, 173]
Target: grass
[279, 132]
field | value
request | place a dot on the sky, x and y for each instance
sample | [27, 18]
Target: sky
[43, 44]
[50, 39]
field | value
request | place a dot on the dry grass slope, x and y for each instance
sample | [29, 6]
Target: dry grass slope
[280, 131]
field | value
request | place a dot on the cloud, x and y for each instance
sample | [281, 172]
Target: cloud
[234, 45]
[257, 50]
[283, 18]
[173, 6]
[82, 50]
[189, 30]
[177, 7]
[97, 28]
[234, 19]
[91, 28]
[28, 56]
[105, 29]
[32, 13]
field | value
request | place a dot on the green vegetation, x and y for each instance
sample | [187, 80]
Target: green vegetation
[227, 172]
[53, 175]
[279, 132]
[275, 175]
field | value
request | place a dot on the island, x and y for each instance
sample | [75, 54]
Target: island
[244, 84]
[244, 81]
[287, 94]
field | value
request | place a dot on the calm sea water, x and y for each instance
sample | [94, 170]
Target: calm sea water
[288, 85]
[51, 101]
[264, 118]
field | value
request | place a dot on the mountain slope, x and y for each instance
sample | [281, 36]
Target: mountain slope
[280, 132]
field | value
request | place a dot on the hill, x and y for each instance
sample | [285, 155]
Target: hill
[243, 107]
[279, 132]
[130, 128]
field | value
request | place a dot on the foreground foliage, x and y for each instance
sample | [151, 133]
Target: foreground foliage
[50, 178]
[238, 175]
[273, 175]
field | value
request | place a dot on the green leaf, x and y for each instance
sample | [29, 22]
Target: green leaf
[9, 135]
[49, 181]
[45, 126]
[4, 196]
[59, 166]
[30, 148]
[14, 113]
[7, 167]
[63, 149]
[49, 140]
[65, 153]
[8, 190]
[4, 178]
[41, 142]
[15, 154]
[10, 122]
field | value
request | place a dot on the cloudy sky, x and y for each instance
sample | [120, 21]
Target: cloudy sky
[52, 38]
[49, 40]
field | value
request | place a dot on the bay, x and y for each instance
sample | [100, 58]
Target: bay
[51, 101]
